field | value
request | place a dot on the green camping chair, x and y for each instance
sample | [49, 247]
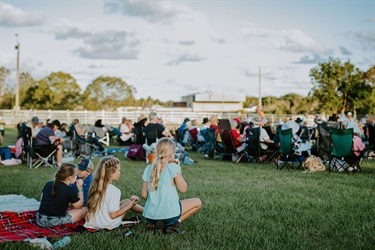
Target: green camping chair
[285, 153]
[342, 156]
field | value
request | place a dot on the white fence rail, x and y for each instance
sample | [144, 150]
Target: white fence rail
[108, 117]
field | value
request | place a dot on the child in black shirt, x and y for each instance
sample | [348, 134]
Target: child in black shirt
[56, 196]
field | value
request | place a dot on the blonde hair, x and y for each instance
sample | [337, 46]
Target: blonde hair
[214, 120]
[106, 167]
[65, 170]
[165, 147]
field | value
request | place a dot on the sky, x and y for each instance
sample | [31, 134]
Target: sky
[169, 49]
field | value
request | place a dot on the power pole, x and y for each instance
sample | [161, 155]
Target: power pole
[260, 97]
[17, 106]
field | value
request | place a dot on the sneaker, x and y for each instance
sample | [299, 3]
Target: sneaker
[159, 227]
[150, 227]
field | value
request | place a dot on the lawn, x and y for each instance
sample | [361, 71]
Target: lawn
[245, 206]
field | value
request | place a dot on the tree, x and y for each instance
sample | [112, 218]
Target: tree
[26, 82]
[56, 91]
[108, 93]
[338, 86]
[4, 72]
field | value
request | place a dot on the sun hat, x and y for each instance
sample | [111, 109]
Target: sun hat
[86, 164]
[354, 126]
[258, 120]
[279, 123]
[291, 124]
[141, 117]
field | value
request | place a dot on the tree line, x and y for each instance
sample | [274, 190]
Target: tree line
[336, 87]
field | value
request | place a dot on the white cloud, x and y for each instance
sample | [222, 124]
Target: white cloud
[11, 16]
[186, 58]
[106, 44]
[306, 59]
[153, 11]
[296, 41]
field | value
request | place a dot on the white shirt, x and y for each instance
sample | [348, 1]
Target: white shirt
[263, 137]
[34, 130]
[110, 203]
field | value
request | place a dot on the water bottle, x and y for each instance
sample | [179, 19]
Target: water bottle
[62, 243]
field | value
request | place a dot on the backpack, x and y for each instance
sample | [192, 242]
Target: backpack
[136, 152]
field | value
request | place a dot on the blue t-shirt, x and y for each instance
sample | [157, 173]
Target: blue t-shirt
[164, 202]
[42, 138]
[58, 204]
[86, 186]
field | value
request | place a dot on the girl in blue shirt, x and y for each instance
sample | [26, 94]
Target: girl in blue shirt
[163, 210]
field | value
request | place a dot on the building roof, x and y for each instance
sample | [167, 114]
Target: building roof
[216, 96]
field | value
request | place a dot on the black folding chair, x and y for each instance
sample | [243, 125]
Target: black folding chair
[229, 145]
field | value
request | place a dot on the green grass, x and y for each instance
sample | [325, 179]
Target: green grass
[245, 206]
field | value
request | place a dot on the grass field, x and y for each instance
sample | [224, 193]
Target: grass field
[245, 206]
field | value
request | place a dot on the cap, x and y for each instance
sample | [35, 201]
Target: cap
[349, 113]
[35, 120]
[86, 164]
[186, 120]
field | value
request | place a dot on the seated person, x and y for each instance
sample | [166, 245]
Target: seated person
[34, 125]
[214, 123]
[82, 132]
[238, 139]
[183, 130]
[85, 169]
[358, 144]
[126, 132]
[298, 146]
[265, 141]
[46, 142]
[99, 129]
[154, 130]
[138, 130]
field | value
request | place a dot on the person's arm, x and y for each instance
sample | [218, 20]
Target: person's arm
[79, 204]
[167, 133]
[144, 190]
[122, 211]
[180, 183]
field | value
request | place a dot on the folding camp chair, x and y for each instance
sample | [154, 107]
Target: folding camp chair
[285, 154]
[323, 139]
[342, 156]
[44, 160]
[81, 146]
[102, 136]
[253, 148]
[211, 148]
[193, 139]
[229, 145]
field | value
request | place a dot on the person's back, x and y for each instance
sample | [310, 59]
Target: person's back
[153, 131]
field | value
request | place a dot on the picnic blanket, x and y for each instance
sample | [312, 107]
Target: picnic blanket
[17, 220]
[20, 226]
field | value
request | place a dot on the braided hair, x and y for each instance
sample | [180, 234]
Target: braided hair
[106, 167]
[165, 147]
[64, 171]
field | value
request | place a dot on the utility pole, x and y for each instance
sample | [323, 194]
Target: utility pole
[259, 95]
[17, 106]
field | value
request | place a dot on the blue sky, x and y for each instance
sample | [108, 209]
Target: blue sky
[167, 49]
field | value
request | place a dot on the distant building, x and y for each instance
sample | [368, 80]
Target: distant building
[215, 101]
